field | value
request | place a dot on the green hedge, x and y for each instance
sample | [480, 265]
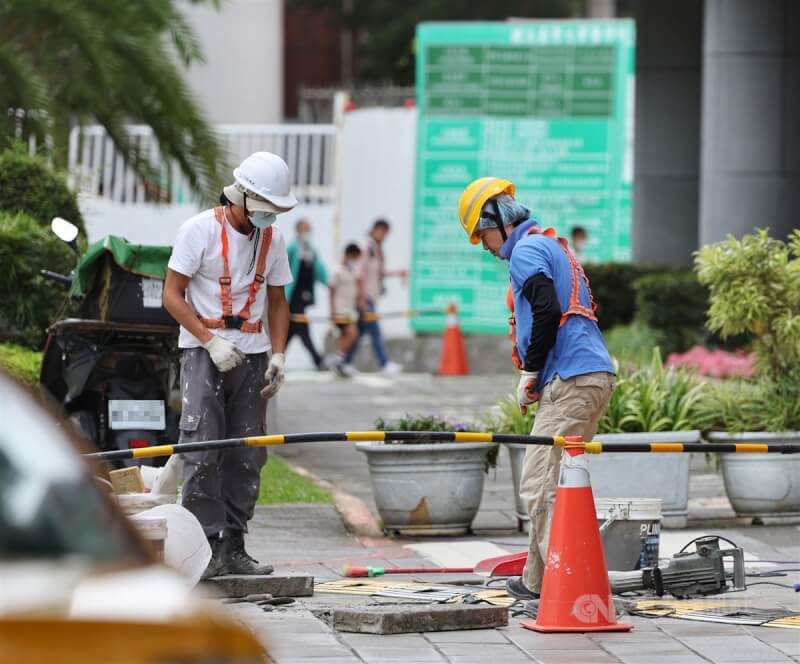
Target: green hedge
[612, 287]
[674, 303]
[28, 302]
[28, 185]
[670, 302]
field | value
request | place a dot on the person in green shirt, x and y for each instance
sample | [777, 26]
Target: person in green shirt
[307, 270]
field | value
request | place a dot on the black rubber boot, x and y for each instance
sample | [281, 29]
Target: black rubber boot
[237, 561]
[216, 566]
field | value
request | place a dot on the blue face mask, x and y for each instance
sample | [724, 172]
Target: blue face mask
[261, 219]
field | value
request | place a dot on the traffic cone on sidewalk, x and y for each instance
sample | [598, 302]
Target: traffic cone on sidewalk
[454, 355]
[576, 594]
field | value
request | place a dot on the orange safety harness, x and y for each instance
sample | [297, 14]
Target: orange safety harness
[575, 307]
[228, 320]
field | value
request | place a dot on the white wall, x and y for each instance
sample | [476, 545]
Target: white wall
[377, 180]
[241, 81]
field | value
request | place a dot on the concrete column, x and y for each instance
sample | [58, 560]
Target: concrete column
[750, 164]
[667, 131]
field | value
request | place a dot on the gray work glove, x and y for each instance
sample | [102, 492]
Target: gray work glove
[224, 354]
[273, 377]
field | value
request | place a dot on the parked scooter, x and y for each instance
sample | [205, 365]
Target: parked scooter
[114, 369]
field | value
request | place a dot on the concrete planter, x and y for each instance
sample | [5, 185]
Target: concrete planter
[761, 485]
[630, 475]
[427, 489]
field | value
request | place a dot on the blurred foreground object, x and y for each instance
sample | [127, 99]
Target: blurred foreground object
[73, 569]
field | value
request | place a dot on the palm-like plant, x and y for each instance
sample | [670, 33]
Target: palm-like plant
[64, 62]
[654, 399]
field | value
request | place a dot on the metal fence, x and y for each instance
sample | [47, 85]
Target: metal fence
[98, 169]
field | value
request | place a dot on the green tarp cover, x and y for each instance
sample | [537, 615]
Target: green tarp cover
[146, 260]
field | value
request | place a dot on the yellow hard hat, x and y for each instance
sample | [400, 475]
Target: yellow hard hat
[474, 197]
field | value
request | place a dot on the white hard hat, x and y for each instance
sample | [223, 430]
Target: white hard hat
[266, 176]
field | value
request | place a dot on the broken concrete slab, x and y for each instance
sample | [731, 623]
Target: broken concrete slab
[414, 618]
[241, 585]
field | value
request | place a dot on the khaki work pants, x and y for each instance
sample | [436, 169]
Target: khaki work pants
[571, 407]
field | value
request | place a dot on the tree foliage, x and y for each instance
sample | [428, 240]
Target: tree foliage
[383, 31]
[64, 62]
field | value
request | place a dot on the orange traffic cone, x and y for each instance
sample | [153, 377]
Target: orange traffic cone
[576, 594]
[454, 355]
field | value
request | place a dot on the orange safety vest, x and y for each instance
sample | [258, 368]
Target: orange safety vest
[575, 307]
[228, 320]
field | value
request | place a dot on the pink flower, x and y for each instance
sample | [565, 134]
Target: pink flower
[714, 363]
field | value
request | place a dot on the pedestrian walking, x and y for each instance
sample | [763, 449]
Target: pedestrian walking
[227, 272]
[558, 347]
[307, 270]
[371, 274]
[344, 308]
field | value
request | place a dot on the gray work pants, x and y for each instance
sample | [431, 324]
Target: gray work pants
[220, 487]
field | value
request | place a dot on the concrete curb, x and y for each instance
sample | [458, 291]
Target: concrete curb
[354, 512]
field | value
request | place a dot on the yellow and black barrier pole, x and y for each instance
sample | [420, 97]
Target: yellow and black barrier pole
[441, 436]
[367, 316]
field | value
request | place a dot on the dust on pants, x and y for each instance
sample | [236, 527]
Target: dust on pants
[220, 487]
[571, 407]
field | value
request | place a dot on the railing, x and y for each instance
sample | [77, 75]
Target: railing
[98, 169]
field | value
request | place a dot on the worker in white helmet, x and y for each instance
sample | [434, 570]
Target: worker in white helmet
[227, 272]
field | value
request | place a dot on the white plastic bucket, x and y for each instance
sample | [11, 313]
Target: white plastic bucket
[630, 529]
[153, 529]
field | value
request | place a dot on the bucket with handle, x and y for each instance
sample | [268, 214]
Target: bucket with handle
[630, 530]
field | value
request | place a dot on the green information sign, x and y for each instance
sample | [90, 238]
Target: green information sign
[547, 105]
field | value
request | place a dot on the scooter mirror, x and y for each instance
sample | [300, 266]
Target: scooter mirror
[64, 229]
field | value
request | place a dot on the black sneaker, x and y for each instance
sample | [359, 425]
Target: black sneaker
[519, 590]
[216, 566]
[237, 560]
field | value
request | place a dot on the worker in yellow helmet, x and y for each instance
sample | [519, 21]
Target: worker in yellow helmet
[557, 346]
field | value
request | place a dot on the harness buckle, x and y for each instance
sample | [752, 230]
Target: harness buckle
[225, 281]
[259, 278]
[233, 322]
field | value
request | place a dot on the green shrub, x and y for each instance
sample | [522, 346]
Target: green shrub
[755, 288]
[632, 345]
[21, 363]
[612, 288]
[505, 417]
[674, 303]
[736, 406]
[28, 302]
[28, 185]
[654, 399]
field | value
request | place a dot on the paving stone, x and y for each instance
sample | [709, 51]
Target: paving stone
[734, 649]
[567, 656]
[376, 655]
[536, 642]
[472, 652]
[689, 658]
[359, 641]
[405, 618]
[468, 636]
[241, 585]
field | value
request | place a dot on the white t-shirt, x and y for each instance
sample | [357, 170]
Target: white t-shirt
[343, 281]
[198, 254]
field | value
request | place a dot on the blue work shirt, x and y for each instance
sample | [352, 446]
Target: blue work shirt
[580, 347]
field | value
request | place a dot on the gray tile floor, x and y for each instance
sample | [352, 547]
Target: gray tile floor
[311, 539]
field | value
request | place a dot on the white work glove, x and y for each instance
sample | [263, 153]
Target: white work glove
[526, 394]
[273, 377]
[224, 354]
